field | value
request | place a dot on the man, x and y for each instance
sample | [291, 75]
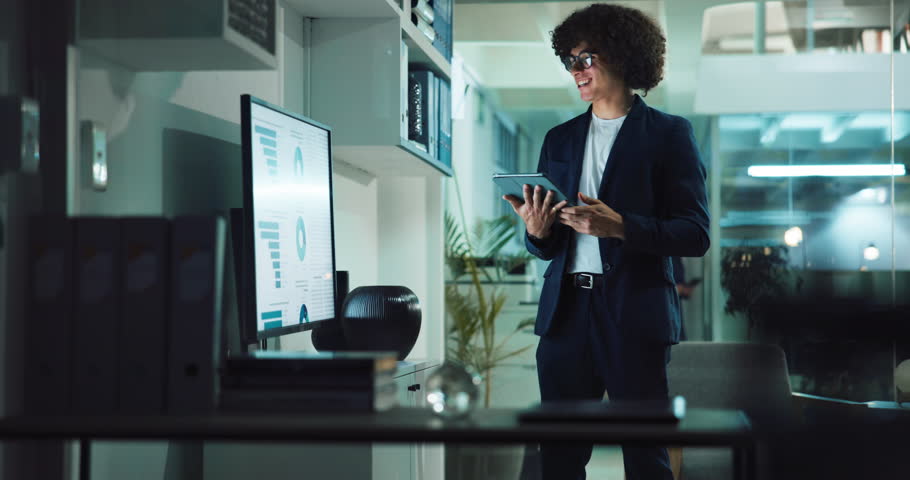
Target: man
[609, 311]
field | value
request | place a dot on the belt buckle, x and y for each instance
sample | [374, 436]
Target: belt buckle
[584, 280]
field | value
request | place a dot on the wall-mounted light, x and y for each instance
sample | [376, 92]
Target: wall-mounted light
[871, 252]
[870, 170]
[793, 236]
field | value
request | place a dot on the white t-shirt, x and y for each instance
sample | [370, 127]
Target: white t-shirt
[601, 136]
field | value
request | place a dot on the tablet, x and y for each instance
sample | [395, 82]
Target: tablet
[512, 183]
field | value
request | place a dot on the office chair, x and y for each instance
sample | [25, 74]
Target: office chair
[744, 376]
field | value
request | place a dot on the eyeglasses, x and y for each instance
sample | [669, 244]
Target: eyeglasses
[583, 60]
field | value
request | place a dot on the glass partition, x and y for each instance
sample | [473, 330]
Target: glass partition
[806, 243]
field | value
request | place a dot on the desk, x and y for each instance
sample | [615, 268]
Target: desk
[700, 427]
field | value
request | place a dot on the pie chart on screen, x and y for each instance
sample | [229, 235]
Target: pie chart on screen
[301, 239]
[298, 162]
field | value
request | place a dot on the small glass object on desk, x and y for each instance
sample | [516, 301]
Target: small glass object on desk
[452, 391]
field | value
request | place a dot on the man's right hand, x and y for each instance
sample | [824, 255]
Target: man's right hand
[537, 209]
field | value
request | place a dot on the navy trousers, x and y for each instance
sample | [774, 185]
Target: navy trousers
[585, 355]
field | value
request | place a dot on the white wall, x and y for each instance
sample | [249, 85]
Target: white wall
[356, 224]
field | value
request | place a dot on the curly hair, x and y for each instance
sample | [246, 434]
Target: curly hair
[629, 42]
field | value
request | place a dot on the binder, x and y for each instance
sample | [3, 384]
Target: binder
[144, 313]
[421, 110]
[49, 326]
[444, 104]
[432, 114]
[405, 115]
[194, 327]
[427, 111]
[97, 312]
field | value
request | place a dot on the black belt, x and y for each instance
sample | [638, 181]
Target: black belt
[585, 280]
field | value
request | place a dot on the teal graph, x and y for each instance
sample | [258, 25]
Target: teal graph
[268, 231]
[271, 319]
[268, 140]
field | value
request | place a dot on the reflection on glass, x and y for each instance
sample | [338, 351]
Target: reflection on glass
[792, 26]
[819, 183]
[807, 237]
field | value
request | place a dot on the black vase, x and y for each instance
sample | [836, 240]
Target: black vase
[381, 318]
[329, 338]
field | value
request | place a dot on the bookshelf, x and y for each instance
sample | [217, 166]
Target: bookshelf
[360, 55]
[422, 53]
[359, 80]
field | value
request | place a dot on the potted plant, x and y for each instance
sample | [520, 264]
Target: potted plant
[753, 277]
[472, 307]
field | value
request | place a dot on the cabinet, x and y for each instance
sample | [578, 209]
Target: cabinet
[359, 78]
[409, 461]
[170, 35]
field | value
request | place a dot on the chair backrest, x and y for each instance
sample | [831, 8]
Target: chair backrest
[746, 376]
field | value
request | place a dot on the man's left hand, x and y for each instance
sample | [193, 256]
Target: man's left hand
[595, 219]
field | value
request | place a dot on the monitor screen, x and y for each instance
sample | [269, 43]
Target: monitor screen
[288, 225]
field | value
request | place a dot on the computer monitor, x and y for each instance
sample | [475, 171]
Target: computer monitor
[288, 225]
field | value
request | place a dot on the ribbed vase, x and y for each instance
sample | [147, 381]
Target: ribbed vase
[381, 318]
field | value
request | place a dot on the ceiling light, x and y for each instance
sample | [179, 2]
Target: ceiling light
[870, 195]
[871, 170]
[871, 252]
[793, 236]
[867, 194]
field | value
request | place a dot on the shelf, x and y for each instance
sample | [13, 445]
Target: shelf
[346, 8]
[422, 52]
[391, 160]
[374, 140]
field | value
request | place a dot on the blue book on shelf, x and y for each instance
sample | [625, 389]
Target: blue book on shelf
[442, 23]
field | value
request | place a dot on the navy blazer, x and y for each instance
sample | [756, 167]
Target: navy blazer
[655, 179]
